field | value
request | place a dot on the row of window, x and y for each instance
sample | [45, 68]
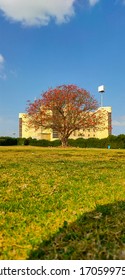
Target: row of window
[85, 135]
[20, 127]
[55, 134]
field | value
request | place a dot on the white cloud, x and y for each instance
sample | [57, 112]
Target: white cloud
[93, 2]
[37, 12]
[2, 74]
[1, 59]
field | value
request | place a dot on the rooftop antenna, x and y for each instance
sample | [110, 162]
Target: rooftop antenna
[101, 90]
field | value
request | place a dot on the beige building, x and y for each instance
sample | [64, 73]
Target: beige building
[49, 134]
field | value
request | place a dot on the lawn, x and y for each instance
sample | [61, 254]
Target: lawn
[62, 203]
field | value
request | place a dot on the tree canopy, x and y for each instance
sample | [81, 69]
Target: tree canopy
[65, 109]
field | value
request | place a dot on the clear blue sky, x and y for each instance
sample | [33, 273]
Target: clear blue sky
[47, 43]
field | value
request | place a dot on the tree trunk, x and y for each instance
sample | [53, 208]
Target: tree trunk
[64, 141]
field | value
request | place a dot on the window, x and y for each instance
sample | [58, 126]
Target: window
[55, 134]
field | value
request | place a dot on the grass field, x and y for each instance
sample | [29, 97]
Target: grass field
[60, 203]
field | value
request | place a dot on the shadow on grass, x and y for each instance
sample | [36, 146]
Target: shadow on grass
[95, 235]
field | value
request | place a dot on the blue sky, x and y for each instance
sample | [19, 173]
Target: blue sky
[47, 43]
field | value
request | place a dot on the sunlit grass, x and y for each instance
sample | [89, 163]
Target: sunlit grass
[60, 203]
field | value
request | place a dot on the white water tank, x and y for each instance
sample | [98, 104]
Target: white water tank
[101, 88]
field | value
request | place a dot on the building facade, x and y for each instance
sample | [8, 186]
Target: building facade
[49, 134]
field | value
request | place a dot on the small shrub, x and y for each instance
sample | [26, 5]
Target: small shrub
[55, 143]
[8, 141]
[81, 143]
[40, 143]
[22, 141]
[72, 142]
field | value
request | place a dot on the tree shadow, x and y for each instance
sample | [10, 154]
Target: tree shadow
[99, 234]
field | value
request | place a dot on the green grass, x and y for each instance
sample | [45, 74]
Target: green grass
[60, 203]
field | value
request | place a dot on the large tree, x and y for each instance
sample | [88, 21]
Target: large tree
[65, 109]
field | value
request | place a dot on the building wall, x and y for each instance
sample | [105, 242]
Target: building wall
[96, 133]
[25, 132]
[48, 134]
